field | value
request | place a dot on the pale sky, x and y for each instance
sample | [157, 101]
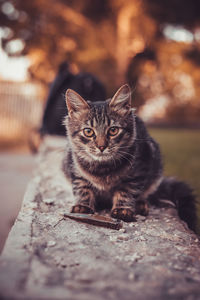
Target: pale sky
[13, 68]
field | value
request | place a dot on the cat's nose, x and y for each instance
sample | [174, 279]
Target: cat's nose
[101, 148]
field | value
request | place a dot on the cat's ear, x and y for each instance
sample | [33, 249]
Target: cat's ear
[76, 105]
[121, 102]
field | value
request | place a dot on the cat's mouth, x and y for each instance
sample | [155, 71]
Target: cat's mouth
[100, 156]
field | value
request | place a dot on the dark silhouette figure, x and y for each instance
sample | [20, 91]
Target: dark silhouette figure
[85, 84]
[134, 71]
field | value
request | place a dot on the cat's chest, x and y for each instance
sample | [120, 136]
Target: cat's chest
[105, 183]
[102, 183]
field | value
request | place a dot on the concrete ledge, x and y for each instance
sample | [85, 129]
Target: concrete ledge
[49, 258]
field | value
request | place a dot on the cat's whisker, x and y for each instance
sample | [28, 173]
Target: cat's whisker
[122, 155]
[114, 161]
[126, 152]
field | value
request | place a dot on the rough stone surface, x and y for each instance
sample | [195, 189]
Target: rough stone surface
[46, 257]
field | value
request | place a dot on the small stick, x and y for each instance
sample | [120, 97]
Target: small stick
[97, 220]
[58, 222]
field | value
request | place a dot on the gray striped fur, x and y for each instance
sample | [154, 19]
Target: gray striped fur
[126, 172]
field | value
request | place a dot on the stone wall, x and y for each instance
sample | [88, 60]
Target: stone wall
[47, 257]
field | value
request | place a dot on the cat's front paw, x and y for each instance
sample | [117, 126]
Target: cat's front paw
[83, 209]
[142, 208]
[123, 213]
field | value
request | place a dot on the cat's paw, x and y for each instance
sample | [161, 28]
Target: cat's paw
[83, 209]
[123, 213]
[142, 208]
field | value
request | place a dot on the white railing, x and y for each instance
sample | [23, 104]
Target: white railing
[21, 108]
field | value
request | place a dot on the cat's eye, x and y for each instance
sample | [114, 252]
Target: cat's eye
[88, 132]
[113, 131]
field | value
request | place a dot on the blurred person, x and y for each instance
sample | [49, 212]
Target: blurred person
[85, 84]
[136, 69]
[55, 110]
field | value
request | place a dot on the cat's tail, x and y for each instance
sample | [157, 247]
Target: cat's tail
[178, 194]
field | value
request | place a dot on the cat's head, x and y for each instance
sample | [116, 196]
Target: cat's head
[103, 130]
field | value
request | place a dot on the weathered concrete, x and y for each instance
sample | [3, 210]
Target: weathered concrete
[15, 173]
[46, 257]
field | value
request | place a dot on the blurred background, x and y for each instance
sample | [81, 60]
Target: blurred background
[153, 45]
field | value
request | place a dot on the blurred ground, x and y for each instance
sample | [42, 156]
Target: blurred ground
[15, 171]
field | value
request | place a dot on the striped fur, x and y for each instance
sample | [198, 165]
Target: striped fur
[119, 172]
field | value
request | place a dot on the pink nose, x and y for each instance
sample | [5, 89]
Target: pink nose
[101, 148]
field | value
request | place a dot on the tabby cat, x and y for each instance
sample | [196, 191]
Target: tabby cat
[114, 163]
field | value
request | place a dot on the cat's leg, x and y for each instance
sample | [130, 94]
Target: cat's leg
[123, 206]
[84, 195]
[142, 207]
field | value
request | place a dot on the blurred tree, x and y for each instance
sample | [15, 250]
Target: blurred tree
[170, 68]
[177, 12]
[93, 34]
[118, 40]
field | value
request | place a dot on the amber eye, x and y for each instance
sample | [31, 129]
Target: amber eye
[88, 132]
[113, 131]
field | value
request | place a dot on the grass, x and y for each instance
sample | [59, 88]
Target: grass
[181, 154]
